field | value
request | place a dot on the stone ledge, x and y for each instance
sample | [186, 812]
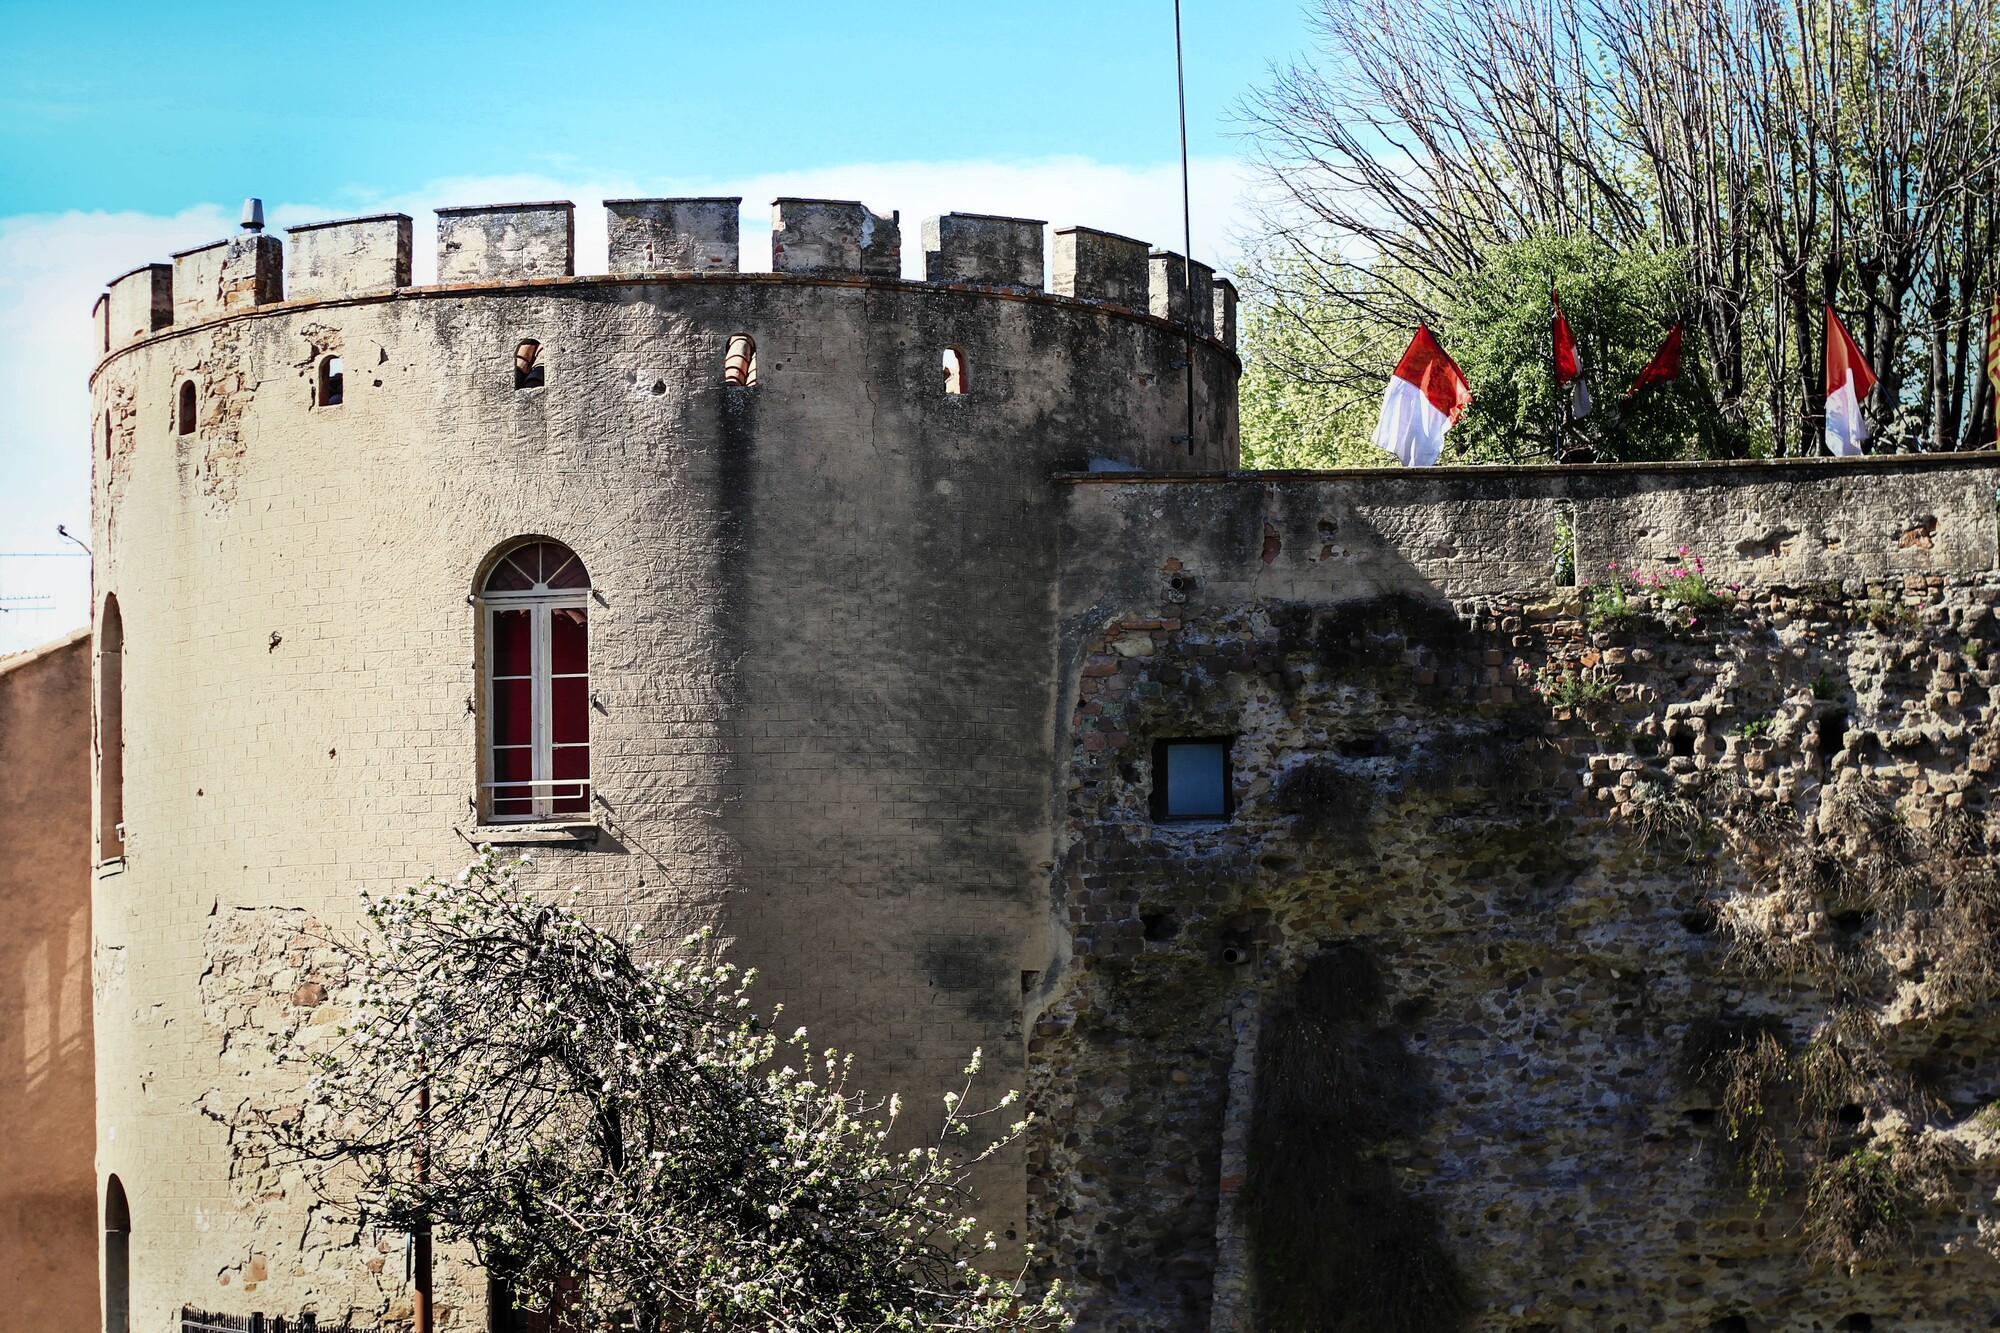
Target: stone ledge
[552, 831]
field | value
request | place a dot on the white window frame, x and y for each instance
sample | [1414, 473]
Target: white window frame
[541, 604]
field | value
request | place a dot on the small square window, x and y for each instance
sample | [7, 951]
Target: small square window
[1191, 779]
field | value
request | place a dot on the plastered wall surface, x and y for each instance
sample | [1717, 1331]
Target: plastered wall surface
[1585, 857]
[802, 737]
[48, 1212]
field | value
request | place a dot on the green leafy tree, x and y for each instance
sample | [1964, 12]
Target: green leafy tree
[1498, 322]
[1317, 358]
[622, 1137]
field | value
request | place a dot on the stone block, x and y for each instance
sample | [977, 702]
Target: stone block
[492, 242]
[240, 273]
[673, 235]
[834, 236]
[987, 251]
[138, 303]
[1169, 281]
[1100, 266]
[1225, 312]
[348, 257]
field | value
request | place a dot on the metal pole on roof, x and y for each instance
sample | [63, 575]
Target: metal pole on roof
[1187, 225]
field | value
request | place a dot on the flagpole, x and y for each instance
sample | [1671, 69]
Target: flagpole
[1187, 224]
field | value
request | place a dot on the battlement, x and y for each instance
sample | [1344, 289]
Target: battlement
[669, 238]
[348, 257]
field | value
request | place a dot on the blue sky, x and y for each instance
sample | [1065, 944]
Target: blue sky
[128, 131]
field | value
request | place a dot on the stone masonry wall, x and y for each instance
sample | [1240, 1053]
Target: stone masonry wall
[799, 737]
[1676, 930]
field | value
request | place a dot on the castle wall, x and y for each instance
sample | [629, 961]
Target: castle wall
[802, 737]
[1557, 861]
[48, 1212]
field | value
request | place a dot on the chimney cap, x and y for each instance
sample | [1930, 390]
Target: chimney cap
[253, 215]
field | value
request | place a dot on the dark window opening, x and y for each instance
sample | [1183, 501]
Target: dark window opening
[1851, 1114]
[1159, 926]
[1730, 1323]
[954, 371]
[1859, 1323]
[1681, 741]
[107, 435]
[110, 732]
[1832, 734]
[332, 382]
[1191, 779]
[528, 373]
[739, 364]
[184, 410]
[117, 1259]
[1701, 1116]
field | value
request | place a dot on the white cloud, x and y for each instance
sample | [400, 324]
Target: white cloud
[52, 267]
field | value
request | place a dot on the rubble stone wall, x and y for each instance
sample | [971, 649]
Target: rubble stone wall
[1666, 936]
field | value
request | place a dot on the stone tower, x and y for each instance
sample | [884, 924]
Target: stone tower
[816, 538]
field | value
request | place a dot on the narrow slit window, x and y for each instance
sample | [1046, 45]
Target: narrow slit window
[117, 1258]
[1191, 779]
[107, 435]
[535, 609]
[332, 382]
[954, 371]
[110, 732]
[528, 371]
[184, 409]
[739, 365]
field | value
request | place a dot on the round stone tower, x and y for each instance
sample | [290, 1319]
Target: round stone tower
[796, 685]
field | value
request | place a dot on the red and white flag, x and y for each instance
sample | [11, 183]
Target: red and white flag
[1426, 396]
[1664, 368]
[1569, 366]
[1848, 380]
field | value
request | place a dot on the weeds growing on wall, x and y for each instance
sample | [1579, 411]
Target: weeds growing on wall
[1746, 1064]
[1577, 691]
[1834, 1123]
[1338, 1246]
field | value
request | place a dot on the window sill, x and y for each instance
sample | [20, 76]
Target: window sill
[114, 866]
[558, 832]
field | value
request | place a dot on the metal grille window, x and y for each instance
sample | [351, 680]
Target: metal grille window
[535, 606]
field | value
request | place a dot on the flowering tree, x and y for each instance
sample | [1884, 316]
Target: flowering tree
[624, 1137]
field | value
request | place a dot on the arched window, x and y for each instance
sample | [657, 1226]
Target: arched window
[954, 370]
[184, 409]
[739, 366]
[528, 365]
[110, 732]
[332, 382]
[117, 1259]
[535, 608]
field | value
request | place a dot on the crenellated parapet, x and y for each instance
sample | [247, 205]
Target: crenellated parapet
[349, 257]
[672, 236]
[665, 238]
[486, 242]
[226, 276]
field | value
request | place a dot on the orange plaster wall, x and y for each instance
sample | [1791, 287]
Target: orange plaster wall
[48, 1185]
